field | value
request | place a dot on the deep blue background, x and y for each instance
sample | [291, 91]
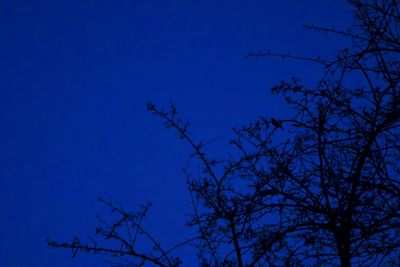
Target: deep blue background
[75, 77]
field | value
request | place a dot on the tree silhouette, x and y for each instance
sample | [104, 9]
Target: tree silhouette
[319, 188]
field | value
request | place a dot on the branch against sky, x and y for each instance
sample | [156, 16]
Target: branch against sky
[320, 187]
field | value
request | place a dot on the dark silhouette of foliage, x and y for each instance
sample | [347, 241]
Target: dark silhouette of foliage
[319, 188]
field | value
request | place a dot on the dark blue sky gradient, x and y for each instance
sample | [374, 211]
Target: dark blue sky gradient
[75, 78]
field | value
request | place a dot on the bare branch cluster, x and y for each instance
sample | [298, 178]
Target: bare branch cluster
[319, 188]
[122, 236]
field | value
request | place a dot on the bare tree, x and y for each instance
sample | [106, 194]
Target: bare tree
[319, 188]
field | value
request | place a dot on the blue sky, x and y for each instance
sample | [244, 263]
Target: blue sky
[75, 78]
